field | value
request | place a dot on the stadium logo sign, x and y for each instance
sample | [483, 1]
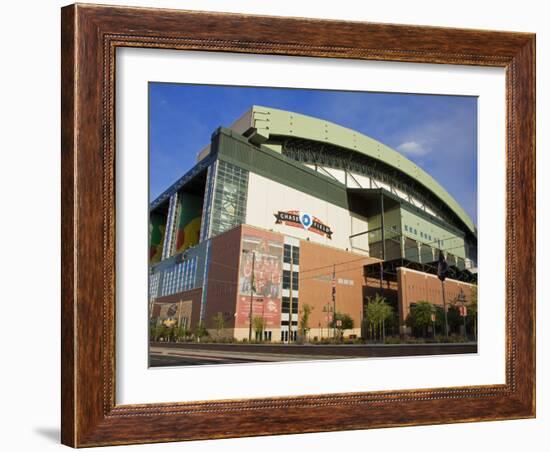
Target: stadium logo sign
[303, 220]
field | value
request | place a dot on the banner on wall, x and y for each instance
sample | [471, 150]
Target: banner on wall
[267, 253]
[173, 313]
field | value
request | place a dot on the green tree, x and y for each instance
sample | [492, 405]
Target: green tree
[377, 312]
[420, 316]
[454, 318]
[156, 332]
[219, 323]
[258, 323]
[180, 332]
[342, 322]
[200, 331]
[304, 319]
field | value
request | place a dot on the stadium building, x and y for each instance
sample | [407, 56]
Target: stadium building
[284, 210]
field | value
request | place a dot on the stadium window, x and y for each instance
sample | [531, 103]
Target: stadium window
[296, 255]
[285, 305]
[230, 200]
[406, 228]
[295, 280]
[286, 279]
[415, 232]
[287, 253]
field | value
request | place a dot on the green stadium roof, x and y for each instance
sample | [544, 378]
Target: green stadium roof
[265, 123]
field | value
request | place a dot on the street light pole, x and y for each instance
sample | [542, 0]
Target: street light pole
[442, 270]
[462, 300]
[464, 317]
[445, 308]
[334, 301]
[263, 321]
[326, 309]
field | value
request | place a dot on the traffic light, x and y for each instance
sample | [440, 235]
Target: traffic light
[442, 267]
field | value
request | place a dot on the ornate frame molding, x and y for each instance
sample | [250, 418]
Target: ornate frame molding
[90, 36]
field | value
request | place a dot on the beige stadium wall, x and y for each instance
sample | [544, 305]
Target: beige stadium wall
[267, 197]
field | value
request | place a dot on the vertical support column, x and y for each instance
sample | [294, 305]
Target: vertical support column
[293, 291]
[171, 221]
[208, 202]
[382, 225]
[402, 301]
[205, 281]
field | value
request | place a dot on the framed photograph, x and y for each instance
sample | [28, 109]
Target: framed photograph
[281, 225]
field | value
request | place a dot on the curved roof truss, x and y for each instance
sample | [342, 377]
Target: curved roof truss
[260, 124]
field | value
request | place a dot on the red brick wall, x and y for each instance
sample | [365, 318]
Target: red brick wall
[316, 266]
[223, 277]
[415, 286]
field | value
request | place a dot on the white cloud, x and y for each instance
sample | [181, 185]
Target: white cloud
[413, 148]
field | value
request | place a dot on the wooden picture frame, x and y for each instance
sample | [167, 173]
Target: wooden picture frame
[90, 36]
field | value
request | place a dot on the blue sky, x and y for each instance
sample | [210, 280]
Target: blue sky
[438, 133]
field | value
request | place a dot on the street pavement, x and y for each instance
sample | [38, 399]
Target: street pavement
[163, 356]
[192, 354]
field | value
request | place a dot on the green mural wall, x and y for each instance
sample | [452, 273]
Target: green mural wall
[157, 229]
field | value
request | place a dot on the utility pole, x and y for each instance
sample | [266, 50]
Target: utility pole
[179, 313]
[326, 309]
[383, 226]
[334, 300]
[381, 278]
[442, 270]
[463, 311]
[444, 308]
[383, 232]
[263, 321]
